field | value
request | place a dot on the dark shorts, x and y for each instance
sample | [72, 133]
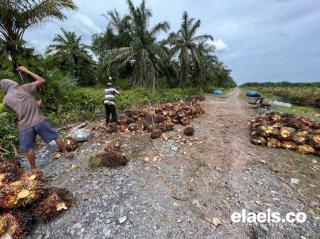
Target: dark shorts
[28, 136]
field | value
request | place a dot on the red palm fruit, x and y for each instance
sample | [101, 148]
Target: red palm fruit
[54, 202]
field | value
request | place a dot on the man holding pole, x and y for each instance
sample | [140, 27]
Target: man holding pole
[31, 121]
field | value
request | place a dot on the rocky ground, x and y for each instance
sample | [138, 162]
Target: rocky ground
[179, 187]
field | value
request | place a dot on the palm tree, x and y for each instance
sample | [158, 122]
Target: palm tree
[68, 49]
[16, 16]
[144, 50]
[116, 22]
[186, 43]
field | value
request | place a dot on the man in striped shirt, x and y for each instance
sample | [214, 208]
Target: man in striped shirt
[109, 103]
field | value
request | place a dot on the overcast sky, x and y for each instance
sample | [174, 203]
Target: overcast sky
[259, 40]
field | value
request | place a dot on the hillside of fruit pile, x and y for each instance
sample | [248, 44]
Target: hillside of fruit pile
[288, 131]
[161, 118]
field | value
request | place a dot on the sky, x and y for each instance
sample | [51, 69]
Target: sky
[259, 40]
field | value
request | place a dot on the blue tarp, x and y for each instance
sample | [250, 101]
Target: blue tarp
[217, 92]
[252, 93]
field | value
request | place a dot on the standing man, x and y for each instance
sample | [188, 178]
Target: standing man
[109, 103]
[31, 121]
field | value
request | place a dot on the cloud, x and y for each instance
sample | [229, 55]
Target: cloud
[287, 32]
[85, 25]
[220, 45]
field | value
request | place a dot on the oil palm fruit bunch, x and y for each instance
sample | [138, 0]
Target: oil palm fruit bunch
[273, 143]
[32, 175]
[71, 144]
[300, 137]
[54, 202]
[124, 119]
[189, 131]
[6, 178]
[123, 128]
[20, 193]
[155, 134]
[154, 117]
[111, 159]
[314, 141]
[112, 146]
[112, 128]
[287, 132]
[185, 121]
[282, 130]
[164, 127]
[15, 224]
[9, 166]
[306, 149]
[196, 98]
[258, 140]
[288, 144]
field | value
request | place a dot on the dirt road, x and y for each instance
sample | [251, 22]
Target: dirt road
[178, 187]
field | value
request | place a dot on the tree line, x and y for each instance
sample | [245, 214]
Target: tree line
[128, 50]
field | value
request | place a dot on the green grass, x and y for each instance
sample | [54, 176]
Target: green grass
[300, 95]
[299, 110]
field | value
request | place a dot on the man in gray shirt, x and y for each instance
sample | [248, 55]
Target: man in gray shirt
[31, 121]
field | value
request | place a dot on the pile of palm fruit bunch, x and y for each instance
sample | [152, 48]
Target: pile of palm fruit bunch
[288, 131]
[111, 157]
[160, 118]
[24, 200]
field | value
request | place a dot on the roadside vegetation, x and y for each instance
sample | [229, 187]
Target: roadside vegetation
[145, 69]
[299, 94]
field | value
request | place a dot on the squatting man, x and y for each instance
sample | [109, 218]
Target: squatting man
[31, 121]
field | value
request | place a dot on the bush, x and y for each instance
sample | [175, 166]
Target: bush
[8, 132]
